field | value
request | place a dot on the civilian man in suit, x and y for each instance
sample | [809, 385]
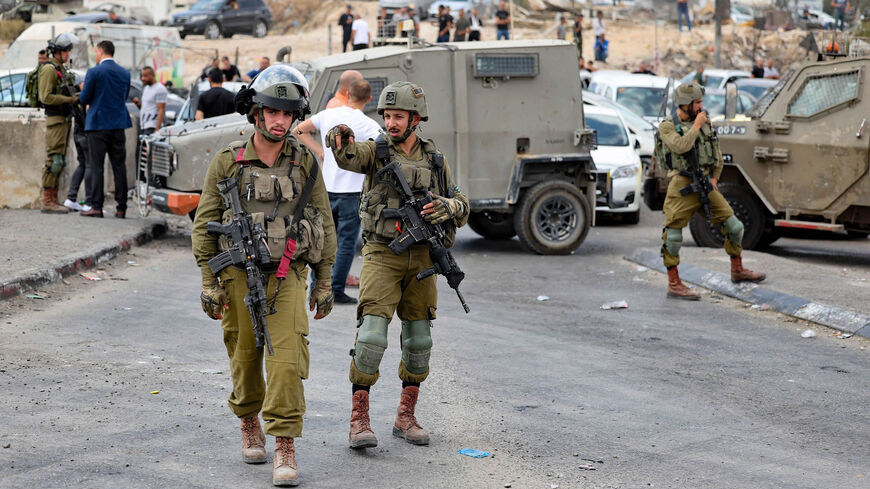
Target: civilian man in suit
[105, 90]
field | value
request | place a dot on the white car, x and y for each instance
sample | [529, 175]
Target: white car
[643, 131]
[618, 164]
[641, 94]
[714, 78]
[455, 6]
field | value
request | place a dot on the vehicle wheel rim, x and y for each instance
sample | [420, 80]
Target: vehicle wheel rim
[556, 218]
[261, 29]
[740, 211]
[212, 31]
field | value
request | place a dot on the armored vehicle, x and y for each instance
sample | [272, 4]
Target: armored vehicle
[507, 115]
[799, 159]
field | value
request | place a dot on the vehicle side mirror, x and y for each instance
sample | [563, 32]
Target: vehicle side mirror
[637, 144]
[730, 101]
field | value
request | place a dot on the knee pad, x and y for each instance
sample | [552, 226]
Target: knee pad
[734, 230]
[371, 341]
[57, 163]
[673, 241]
[416, 345]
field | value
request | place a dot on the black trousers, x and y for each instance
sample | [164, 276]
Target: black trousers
[100, 143]
[81, 140]
[474, 36]
[357, 47]
[345, 40]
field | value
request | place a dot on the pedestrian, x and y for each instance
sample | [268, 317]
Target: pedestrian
[215, 63]
[502, 22]
[229, 70]
[578, 34]
[562, 28]
[342, 95]
[398, 16]
[690, 130]
[344, 186]
[643, 69]
[386, 25]
[683, 12]
[113, 18]
[598, 28]
[476, 26]
[389, 284]
[362, 36]
[263, 64]
[152, 109]
[840, 7]
[770, 71]
[41, 57]
[345, 22]
[215, 101]
[700, 78]
[463, 27]
[585, 74]
[590, 65]
[80, 138]
[601, 48]
[271, 159]
[758, 69]
[105, 90]
[57, 96]
[445, 23]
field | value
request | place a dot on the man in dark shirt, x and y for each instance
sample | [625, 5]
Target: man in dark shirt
[502, 22]
[578, 34]
[345, 22]
[229, 70]
[758, 69]
[445, 23]
[217, 100]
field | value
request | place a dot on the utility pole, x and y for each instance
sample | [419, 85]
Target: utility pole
[717, 18]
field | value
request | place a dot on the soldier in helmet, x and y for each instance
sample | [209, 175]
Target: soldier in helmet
[57, 95]
[388, 282]
[272, 170]
[690, 129]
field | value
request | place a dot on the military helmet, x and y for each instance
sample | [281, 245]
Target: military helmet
[404, 96]
[63, 42]
[281, 87]
[688, 93]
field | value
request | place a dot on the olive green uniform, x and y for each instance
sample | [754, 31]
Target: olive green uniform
[57, 120]
[388, 282]
[679, 209]
[280, 397]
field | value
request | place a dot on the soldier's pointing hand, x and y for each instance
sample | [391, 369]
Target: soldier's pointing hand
[339, 136]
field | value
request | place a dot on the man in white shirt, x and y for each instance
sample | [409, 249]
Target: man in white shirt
[360, 34]
[344, 187]
[153, 105]
[476, 26]
[598, 24]
[770, 71]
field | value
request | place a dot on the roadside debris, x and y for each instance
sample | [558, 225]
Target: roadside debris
[35, 296]
[587, 466]
[640, 268]
[210, 371]
[615, 305]
[155, 392]
[471, 452]
[90, 276]
[542, 298]
[844, 336]
[132, 263]
[808, 334]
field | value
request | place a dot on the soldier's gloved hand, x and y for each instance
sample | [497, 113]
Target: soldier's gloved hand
[214, 300]
[75, 99]
[441, 209]
[339, 137]
[323, 298]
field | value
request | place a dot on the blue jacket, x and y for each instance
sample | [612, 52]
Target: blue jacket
[105, 90]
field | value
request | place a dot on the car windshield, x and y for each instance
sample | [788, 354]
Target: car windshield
[12, 90]
[714, 105]
[755, 90]
[208, 5]
[643, 101]
[713, 81]
[608, 128]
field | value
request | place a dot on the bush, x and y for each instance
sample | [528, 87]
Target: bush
[11, 29]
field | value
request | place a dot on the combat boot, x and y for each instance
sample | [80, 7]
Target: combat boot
[49, 205]
[406, 425]
[361, 434]
[284, 471]
[740, 274]
[677, 290]
[253, 441]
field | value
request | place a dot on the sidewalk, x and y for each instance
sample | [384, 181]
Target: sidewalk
[37, 248]
[833, 297]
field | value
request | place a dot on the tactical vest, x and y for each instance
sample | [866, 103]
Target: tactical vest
[705, 145]
[64, 78]
[270, 196]
[422, 176]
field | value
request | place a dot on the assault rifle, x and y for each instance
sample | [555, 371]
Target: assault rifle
[700, 182]
[417, 230]
[248, 249]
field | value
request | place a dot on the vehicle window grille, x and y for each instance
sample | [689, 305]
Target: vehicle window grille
[823, 92]
[378, 85]
[506, 65]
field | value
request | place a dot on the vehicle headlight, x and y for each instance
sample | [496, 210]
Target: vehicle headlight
[624, 171]
[197, 18]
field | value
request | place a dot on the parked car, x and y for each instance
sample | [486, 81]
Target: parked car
[215, 18]
[642, 94]
[742, 15]
[643, 131]
[174, 103]
[756, 87]
[12, 92]
[618, 166]
[714, 102]
[136, 13]
[37, 12]
[99, 18]
[816, 19]
[715, 78]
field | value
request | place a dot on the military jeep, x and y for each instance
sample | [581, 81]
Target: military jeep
[507, 115]
[798, 160]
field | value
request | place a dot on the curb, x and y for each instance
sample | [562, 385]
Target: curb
[33, 278]
[831, 316]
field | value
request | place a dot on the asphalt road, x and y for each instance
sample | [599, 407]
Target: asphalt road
[662, 394]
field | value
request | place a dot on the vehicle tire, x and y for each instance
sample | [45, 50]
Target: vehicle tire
[768, 238]
[746, 207]
[227, 35]
[212, 30]
[552, 218]
[492, 225]
[857, 233]
[260, 29]
[182, 35]
[192, 214]
[630, 217]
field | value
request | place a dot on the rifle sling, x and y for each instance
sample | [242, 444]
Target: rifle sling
[303, 200]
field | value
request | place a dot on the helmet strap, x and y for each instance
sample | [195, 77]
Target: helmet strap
[260, 127]
[401, 139]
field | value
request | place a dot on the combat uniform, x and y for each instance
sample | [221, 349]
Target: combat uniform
[54, 84]
[388, 282]
[679, 209]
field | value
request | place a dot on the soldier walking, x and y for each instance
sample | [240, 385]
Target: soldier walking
[272, 170]
[388, 281]
[57, 95]
[679, 137]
